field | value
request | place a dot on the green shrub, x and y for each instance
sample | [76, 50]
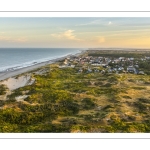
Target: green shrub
[127, 97]
[2, 89]
[144, 100]
[87, 103]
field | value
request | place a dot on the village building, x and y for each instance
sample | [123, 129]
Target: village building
[131, 69]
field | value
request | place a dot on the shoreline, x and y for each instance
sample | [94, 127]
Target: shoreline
[8, 74]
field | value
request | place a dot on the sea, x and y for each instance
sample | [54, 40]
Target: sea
[17, 58]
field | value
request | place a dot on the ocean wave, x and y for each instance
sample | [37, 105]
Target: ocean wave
[34, 62]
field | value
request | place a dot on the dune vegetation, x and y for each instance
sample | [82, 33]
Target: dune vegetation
[63, 100]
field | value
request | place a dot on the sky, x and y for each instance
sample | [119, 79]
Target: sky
[75, 32]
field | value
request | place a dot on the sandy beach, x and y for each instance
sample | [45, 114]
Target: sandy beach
[8, 74]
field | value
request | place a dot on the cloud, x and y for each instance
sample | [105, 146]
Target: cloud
[2, 32]
[96, 22]
[20, 40]
[11, 39]
[90, 23]
[69, 34]
[109, 23]
[4, 38]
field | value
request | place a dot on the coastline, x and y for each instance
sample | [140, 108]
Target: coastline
[7, 74]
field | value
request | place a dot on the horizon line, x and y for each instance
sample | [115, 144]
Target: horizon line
[82, 48]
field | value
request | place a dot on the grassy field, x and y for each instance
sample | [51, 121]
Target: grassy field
[63, 100]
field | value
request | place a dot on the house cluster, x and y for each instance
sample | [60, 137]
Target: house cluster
[67, 63]
[103, 64]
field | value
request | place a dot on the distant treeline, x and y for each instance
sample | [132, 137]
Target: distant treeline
[116, 55]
